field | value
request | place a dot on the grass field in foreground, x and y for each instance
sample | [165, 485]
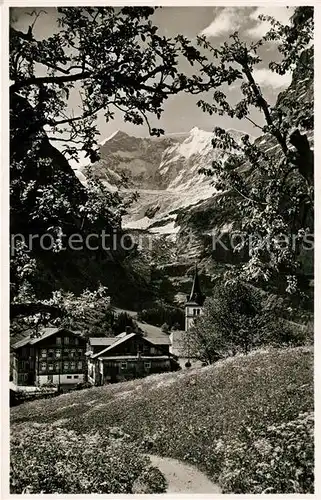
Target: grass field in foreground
[246, 421]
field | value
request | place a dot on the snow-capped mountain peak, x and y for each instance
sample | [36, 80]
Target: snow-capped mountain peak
[165, 172]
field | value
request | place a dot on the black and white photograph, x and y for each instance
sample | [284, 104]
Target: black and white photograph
[161, 249]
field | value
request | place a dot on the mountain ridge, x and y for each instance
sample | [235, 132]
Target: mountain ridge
[163, 170]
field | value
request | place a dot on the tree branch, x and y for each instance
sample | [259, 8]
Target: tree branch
[64, 140]
[29, 309]
[88, 114]
[265, 108]
[38, 81]
[253, 123]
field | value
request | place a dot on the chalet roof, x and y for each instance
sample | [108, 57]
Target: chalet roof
[151, 333]
[196, 297]
[123, 338]
[122, 335]
[104, 341]
[159, 340]
[46, 332]
[118, 342]
[131, 357]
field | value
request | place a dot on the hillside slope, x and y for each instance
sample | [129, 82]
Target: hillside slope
[246, 422]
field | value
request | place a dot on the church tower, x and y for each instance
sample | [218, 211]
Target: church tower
[194, 304]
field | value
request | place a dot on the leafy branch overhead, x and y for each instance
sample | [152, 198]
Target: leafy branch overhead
[115, 60]
[275, 188]
[113, 57]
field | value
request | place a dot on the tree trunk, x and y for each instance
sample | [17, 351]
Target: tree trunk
[305, 156]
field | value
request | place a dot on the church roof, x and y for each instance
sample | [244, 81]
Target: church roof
[196, 296]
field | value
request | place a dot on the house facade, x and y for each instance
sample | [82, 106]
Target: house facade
[57, 356]
[131, 355]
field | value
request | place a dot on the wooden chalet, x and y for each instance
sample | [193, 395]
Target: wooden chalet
[129, 355]
[56, 356]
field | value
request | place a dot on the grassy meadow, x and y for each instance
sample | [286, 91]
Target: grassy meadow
[247, 422]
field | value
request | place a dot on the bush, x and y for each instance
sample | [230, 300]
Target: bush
[237, 319]
[279, 459]
[151, 481]
[165, 328]
[55, 460]
[82, 385]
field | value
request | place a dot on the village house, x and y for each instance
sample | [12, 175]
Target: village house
[64, 357]
[56, 356]
[128, 355]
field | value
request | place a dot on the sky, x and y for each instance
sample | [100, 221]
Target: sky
[180, 112]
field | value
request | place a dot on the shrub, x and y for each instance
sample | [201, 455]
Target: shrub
[239, 318]
[165, 328]
[278, 459]
[151, 481]
[82, 385]
[55, 460]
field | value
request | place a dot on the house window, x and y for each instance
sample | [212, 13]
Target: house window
[50, 378]
[72, 353]
[152, 350]
[43, 353]
[123, 365]
[50, 367]
[66, 340]
[50, 353]
[58, 353]
[72, 365]
[80, 352]
[66, 365]
[80, 365]
[69, 376]
[58, 340]
[57, 367]
[43, 367]
[76, 376]
[148, 365]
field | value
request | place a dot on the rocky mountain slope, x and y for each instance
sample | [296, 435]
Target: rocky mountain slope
[178, 210]
[164, 172]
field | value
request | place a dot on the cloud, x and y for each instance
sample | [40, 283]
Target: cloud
[227, 21]
[267, 78]
[281, 14]
[230, 19]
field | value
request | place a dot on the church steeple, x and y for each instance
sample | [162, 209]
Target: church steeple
[195, 301]
[196, 293]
